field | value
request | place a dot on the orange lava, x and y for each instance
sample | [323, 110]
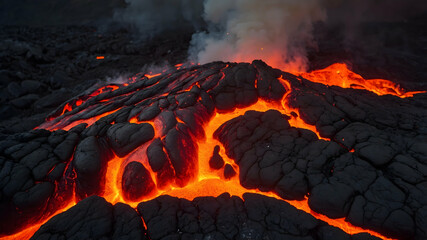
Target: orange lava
[88, 121]
[295, 121]
[208, 183]
[100, 57]
[338, 74]
[152, 75]
[108, 88]
[211, 182]
[29, 231]
[178, 66]
[73, 104]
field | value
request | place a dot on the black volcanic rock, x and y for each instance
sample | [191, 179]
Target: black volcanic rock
[94, 218]
[31, 178]
[149, 113]
[156, 155]
[216, 161]
[182, 151]
[229, 171]
[90, 163]
[226, 217]
[336, 207]
[136, 181]
[369, 165]
[125, 137]
[222, 217]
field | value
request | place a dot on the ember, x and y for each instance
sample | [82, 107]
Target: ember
[191, 151]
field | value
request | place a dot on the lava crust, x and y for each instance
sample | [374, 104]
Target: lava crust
[241, 128]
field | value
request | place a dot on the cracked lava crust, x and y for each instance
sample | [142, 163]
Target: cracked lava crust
[223, 151]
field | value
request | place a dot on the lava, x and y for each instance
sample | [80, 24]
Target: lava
[29, 231]
[338, 74]
[209, 182]
[152, 75]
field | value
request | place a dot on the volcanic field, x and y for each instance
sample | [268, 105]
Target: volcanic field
[223, 151]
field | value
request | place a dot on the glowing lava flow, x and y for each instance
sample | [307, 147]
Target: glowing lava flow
[211, 182]
[29, 231]
[208, 183]
[338, 74]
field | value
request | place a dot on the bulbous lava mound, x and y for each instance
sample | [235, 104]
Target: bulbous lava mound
[221, 127]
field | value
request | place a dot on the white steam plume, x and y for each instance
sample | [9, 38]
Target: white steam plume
[276, 31]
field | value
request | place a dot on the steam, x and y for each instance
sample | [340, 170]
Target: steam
[276, 31]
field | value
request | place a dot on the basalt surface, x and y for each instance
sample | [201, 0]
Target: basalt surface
[350, 153]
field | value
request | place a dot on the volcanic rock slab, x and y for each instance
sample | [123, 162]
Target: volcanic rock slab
[223, 217]
[370, 166]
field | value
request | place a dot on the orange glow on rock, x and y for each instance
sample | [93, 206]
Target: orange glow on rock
[338, 74]
[29, 231]
[295, 120]
[100, 57]
[152, 75]
[88, 121]
[210, 182]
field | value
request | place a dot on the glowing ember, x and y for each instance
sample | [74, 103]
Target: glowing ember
[100, 57]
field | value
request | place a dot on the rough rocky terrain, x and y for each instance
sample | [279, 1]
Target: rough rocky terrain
[369, 168]
[42, 67]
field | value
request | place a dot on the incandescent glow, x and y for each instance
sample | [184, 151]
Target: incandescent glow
[338, 74]
[29, 231]
[210, 182]
[152, 75]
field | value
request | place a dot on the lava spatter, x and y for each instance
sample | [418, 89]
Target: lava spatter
[281, 135]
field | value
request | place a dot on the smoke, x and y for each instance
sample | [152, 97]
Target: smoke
[152, 17]
[276, 31]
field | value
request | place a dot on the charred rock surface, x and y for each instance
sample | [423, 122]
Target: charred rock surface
[370, 168]
[31, 178]
[42, 67]
[136, 181]
[94, 218]
[223, 217]
[124, 137]
[363, 184]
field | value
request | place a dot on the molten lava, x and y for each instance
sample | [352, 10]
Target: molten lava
[29, 231]
[338, 74]
[210, 182]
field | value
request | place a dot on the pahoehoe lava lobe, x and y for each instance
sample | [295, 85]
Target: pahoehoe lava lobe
[223, 217]
[369, 167]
